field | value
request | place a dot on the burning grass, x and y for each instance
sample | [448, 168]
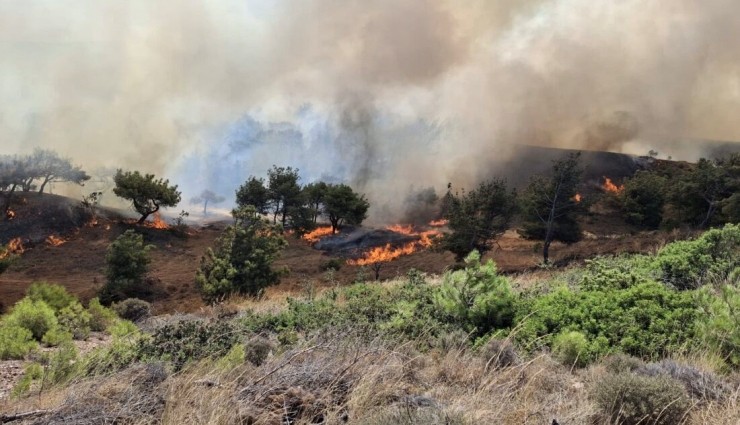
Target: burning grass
[54, 240]
[316, 235]
[14, 247]
[388, 252]
[610, 187]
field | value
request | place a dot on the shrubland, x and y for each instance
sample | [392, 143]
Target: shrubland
[619, 340]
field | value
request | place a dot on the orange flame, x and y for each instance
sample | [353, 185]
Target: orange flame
[439, 223]
[158, 223]
[577, 198]
[316, 235]
[54, 241]
[387, 253]
[10, 215]
[15, 246]
[610, 187]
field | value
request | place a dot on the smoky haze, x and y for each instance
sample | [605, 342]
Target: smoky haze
[385, 95]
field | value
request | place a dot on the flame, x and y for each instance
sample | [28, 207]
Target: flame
[577, 198]
[10, 215]
[439, 223]
[158, 223]
[316, 235]
[15, 246]
[54, 241]
[387, 253]
[610, 187]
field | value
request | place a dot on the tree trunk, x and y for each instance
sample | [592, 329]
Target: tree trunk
[43, 185]
[376, 269]
[546, 252]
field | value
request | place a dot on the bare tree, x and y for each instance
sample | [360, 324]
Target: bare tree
[206, 197]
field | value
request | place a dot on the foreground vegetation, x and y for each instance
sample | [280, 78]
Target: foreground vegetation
[630, 339]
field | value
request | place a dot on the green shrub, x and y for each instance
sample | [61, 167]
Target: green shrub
[75, 320]
[55, 296]
[15, 341]
[719, 321]
[36, 316]
[133, 309]
[120, 353]
[100, 316]
[127, 263]
[477, 297]
[631, 399]
[689, 264]
[31, 373]
[571, 348]
[64, 364]
[56, 336]
[603, 273]
[187, 341]
[645, 320]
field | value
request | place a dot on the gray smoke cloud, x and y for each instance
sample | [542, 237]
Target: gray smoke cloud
[384, 95]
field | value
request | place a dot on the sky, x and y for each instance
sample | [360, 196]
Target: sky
[385, 95]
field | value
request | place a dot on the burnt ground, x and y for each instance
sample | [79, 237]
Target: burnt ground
[79, 263]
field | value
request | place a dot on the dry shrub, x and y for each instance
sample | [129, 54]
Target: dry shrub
[257, 349]
[699, 384]
[500, 353]
[130, 396]
[621, 363]
[628, 398]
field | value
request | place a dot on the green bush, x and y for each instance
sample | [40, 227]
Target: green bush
[64, 364]
[689, 264]
[645, 320]
[571, 348]
[15, 341]
[133, 309]
[622, 272]
[331, 264]
[718, 325]
[75, 320]
[31, 373]
[631, 399]
[127, 263]
[100, 316]
[477, 297]
[120, 353]
[56, 337]
[36, 316]
[185, 341]
[55, 296]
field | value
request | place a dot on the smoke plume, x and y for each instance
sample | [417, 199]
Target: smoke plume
[385, 95]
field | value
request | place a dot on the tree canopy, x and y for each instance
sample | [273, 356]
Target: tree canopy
[478, 217]
[146, 193]
[342, 205]
[550, 205]
[46, 166]
[253, 192]
[207, 197]
[241, 262]
[284, 192]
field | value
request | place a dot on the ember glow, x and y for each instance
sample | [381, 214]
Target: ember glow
[439, 223]
[10, 215]
[15, 246]
[316, 235]
[610, 187]
[577, 198]
[54, 241]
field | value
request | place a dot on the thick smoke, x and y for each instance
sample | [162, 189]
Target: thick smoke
[385, 95]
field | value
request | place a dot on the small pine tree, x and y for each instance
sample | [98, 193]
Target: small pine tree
[146, 193]
[127, 264]
[241, 262]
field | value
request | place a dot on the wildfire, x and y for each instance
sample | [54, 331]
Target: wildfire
[157, 222]
[54, 241]
[387, 253]
[577, 198]
[439, 223]
[15, 246]
[316, 235]
[10, 215]
[610, 187]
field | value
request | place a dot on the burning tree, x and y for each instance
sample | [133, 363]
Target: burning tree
[550, 205]
[146, 193]
[241, 262]
[343, 205]
[205, 198]
[478, 217]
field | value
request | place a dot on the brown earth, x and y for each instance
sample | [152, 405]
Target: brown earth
[79, 263]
